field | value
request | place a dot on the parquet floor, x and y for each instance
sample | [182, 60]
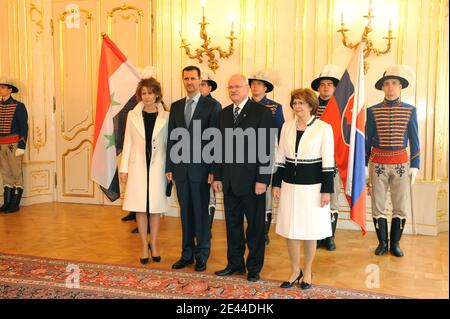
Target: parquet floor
[96, 234]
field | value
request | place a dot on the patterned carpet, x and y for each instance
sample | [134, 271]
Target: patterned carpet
[43, 278]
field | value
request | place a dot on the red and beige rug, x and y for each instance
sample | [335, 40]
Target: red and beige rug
[44, 278]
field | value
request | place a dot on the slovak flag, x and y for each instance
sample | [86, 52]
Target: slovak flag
[346, 113]
[117, 82]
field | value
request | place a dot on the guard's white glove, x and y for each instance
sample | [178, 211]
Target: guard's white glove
[413, 173]
[19, 152]
[367, 172]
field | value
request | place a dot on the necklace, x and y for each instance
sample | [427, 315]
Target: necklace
[151, 109]
[300, 126]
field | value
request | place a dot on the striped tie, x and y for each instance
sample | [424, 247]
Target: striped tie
[236, 113]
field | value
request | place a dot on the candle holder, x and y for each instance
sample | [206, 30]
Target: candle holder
[369, 47]
[205, 48]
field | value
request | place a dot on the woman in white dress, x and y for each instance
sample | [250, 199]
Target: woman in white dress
[303, 183]
[143, 161]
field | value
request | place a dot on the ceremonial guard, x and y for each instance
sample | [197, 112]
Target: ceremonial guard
[260, 85]
[325, 84]
[207, 86]
[390, 125]
[13, 139]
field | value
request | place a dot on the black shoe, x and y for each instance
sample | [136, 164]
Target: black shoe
[382, 234]
[200, 266]
[156, 259]
[143, 260]
[180, 264]
[305, 285]
[130, 216]
[253, 277]
[329, 243]
[287, 284]
[228, 272]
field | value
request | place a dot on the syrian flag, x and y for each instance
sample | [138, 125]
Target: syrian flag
[346, 113]
[117, 82]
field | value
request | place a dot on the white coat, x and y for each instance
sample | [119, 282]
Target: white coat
[299, 213]
[135, 164]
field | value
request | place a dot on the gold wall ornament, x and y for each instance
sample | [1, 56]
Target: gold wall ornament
[39, 136]
[127, 12]
[205, 49]
[366, 38]
[37, 18]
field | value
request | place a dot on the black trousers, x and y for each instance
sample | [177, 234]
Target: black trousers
[193, 198]
[253, 207]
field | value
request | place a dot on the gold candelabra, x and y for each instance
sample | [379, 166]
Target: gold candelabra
[369, 48]
[205, 48]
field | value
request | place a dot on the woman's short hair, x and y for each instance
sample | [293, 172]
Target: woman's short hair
[152, 85]
[306, 95]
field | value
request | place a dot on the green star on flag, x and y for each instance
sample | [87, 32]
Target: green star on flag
[111, 140]
[113, 102]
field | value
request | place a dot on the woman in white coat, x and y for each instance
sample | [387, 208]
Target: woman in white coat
[305, 167]
[143, 164]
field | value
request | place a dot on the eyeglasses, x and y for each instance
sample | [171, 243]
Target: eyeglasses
[235, 87]
[299, 102]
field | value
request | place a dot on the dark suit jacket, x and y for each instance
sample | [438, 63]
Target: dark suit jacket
[207, 112]
[242, 177]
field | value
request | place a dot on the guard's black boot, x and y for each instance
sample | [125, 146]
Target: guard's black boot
[212, 212]
[329, 241]
[267, 226]
[382, 234]
[7, 195]
[15, 200]
[397, 226]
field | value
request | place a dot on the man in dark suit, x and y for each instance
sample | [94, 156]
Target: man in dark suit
[192, 175]
[245, 178]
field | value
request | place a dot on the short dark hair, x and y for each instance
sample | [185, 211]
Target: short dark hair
[152, 85]
[306, 95]
[192, 68]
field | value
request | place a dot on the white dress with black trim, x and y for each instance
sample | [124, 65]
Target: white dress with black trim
[303, 175]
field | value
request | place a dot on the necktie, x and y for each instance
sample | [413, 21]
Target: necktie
[188, 112]
[236, 113]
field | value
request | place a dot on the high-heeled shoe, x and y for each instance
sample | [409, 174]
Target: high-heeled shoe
[287, 284]
[156, 259]
[304, 285]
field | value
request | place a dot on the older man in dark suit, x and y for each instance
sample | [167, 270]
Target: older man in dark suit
[244, 179]
[192, 175]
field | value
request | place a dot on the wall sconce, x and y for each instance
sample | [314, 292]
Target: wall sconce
[205, 48]
[365, 38]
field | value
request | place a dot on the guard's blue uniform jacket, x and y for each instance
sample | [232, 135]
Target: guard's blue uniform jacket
[13, 122]
[389, 127]
[277, 112]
